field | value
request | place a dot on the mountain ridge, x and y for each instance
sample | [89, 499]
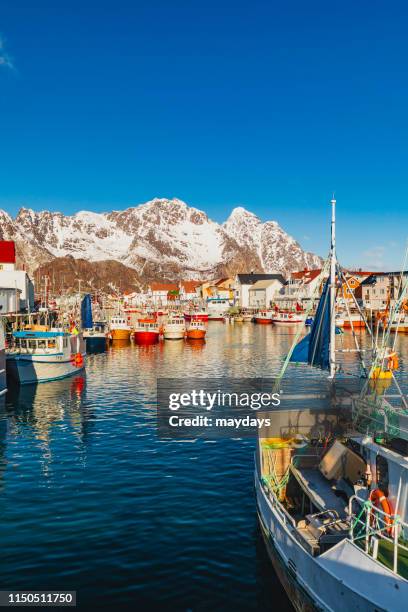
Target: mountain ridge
[161, 238]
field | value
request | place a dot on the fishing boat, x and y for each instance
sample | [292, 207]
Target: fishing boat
[353, 319]
[399, 324]
[41, 356]
[147, 331]
[119, 329]
[247, 317]
[263, 317]
[196, 330]
[217, 307]
[94, 333]
[201, 315]
[174, 328]
[333, 511]
[285, 317]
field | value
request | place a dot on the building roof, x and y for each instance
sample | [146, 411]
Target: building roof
[370, 280]
[262, 284]
[305, 275]
[163, 287]
[250, 279]
[189, 286]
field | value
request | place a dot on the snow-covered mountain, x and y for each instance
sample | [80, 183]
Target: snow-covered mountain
[159, 239]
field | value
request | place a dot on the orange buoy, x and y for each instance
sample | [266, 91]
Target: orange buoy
[379, 500]
[79, 360]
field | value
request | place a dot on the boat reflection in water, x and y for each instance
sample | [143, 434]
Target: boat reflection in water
[43, 406]
[196, 344]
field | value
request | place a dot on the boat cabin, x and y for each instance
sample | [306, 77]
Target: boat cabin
[39, 342]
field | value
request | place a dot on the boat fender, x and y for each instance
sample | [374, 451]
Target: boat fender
[379, 499]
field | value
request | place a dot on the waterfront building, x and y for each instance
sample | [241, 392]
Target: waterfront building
[13, 279]
[263, 293]
[160, 293]
[244, 282]
[188, 290]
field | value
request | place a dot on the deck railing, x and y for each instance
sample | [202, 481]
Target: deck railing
[374, 524]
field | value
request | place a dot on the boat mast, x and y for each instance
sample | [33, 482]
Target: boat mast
[332, 357]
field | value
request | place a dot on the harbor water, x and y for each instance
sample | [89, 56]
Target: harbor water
[92, 500]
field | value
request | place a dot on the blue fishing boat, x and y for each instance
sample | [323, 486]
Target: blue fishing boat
[94, 333]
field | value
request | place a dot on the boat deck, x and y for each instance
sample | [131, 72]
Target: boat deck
[320, 490]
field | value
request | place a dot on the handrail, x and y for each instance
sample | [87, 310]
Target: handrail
[393, 519]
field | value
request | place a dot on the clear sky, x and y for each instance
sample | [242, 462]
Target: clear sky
[265, 104]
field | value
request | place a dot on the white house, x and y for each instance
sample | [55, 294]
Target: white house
[188, 290]
[160, 293]
[244, 282]
[262, 294]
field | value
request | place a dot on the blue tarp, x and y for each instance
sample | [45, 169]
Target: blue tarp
[314, 348]
[86, 312]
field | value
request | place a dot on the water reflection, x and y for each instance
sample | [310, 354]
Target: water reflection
[41, 406]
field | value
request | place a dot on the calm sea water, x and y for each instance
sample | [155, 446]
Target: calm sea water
[91, 500]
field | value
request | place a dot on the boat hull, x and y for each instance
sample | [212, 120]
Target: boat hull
[3, 377]
[287, 323]
[173, 335]
[95, 344]
[146, 337]
[196, 334]
[25, 370]
[263, 321]
[358, 324]
[120, 334]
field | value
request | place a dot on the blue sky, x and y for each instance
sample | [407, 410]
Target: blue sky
[269, 105]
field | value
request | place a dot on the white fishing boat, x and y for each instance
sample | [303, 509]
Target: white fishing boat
[333, 511]
[41, 356]
[217, 307]
[285, 317]
[174, 328]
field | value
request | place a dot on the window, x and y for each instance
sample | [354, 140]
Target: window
[381, 466]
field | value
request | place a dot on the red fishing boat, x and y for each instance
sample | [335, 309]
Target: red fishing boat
[147, 331]
[263, 317]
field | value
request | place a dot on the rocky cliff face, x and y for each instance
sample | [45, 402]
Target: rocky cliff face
[159, 239]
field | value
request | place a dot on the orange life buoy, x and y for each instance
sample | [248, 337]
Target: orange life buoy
[393, 362]
[79, 360]
[378, 498]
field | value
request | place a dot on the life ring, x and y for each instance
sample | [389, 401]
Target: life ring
[392, 361]
[79, 360]
[405, 305]
[379, 500]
